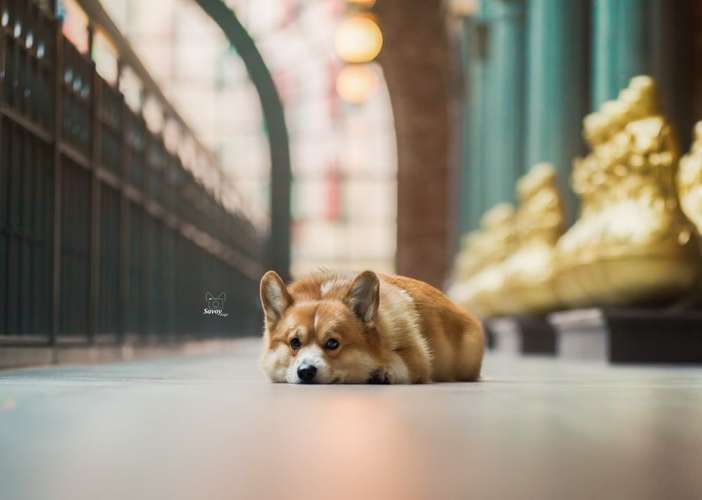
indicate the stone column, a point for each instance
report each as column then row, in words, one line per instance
column 492, row 139
column 653, row 37
column 621, row 45
column 503, row 120
column 557, row 85
column 471, row 202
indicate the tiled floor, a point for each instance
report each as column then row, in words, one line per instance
column 212, row 428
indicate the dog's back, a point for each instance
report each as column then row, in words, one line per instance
column 455, row 339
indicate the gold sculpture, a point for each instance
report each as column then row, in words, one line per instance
column 631, row 242
column 540, row 220
column 466, row 266
column 479, row 273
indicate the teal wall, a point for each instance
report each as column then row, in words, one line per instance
column 503, row 119
column 557, row 85
column 621, row 45
column 470, row 199
column 493, row 125
column 526, row 76
column 655, row 37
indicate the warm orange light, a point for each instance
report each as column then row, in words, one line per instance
column 464, row 7
column 356, row 83
column 367, row 4
column 358, row 39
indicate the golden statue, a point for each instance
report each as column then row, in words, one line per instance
column 631, row 242
column 467, row 265
column 575, row 249
column 529, row 271
column 471, row 256
column 479, row 265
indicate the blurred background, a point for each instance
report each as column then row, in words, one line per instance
column 540, row 161
column 339, row 119
column 524, row 155
column 342, row 151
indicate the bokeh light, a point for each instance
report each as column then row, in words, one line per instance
column 358, row 39
column 356, row 83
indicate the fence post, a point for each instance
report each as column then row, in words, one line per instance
column 56, row 245
column 3, row 283
column 147, row 228
column 94, row 300
column 124, row 214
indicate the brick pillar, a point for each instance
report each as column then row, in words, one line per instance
column 415, row 59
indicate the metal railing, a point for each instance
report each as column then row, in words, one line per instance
column 105, row 235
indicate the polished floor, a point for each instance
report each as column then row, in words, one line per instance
column 212, row 428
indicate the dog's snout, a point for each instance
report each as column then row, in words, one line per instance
column 307, row 373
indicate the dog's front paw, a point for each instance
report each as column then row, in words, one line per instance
column 379, row 376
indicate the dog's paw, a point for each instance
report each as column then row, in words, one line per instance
column 379, row 376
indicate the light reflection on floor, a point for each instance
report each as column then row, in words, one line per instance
column 211, row 428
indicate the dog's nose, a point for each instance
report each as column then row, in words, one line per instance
column 307, row 373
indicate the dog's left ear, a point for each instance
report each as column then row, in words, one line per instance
column 275, row 297
column 363, row 298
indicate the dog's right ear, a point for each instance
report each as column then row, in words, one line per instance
column 363, row 297
column 275, row 297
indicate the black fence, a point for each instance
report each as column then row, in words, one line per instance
column 105, row 235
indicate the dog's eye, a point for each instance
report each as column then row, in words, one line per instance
column 331, row 344
column 295, row 343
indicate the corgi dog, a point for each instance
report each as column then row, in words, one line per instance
column 332, row 328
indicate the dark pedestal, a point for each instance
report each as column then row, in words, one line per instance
column 630, row 335
column 523, row 334
column 490, row 342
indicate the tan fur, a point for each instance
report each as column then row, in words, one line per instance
column 390, row 329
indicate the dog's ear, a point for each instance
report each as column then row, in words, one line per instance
column 363, row 296
column 222, row 297
column 275, row 298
